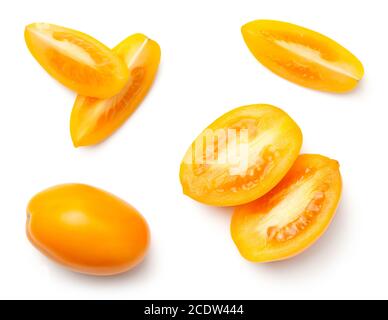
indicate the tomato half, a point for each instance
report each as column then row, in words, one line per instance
column 303, row 56
column 77, row 60
column 240, row 156
column 293, row 215
column 93, row 120
column 87, row 229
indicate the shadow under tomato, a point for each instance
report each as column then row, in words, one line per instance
column 223, row 211
column 358, row 90
column 139, row 272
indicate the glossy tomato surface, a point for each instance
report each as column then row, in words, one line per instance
column 87, row 229
column 77, row 60
column 293, row 215
column 240, row 156
column 93, row 120
column 303, row 56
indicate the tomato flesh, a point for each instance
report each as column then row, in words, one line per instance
column 303, row 56
column 93, row 120
column 87, row 229
column 293, row 215
column 77, row 60
column 240, row 156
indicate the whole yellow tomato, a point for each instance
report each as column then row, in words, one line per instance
column 87, row 229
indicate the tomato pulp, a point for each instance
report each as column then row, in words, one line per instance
column 77, row 60
column 303, row 56
column 293, row 215
column 93, row 120
column 240, row 156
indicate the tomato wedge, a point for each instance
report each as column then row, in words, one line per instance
column 87, row 229
column 93, row 120
column 303, row 56
column 240, row 156
column 293, row 215
column 77, row 60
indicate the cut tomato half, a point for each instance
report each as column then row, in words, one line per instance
column 77, row 60
column 240, row 156
column 303, row 56
column 293, row 215
column 93, row 120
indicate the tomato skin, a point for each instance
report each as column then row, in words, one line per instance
column 78, row 61
column 303, row 56
column 94, row 120
column 272, row 144
column 87, row 229
column 292, row 216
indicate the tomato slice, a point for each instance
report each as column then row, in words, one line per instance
column 240, row 156
column 93, row 120
column 77, row 60
column 293, row 215
column 87, row 229
column 303, row 56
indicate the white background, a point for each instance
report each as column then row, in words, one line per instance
column 206, row 70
